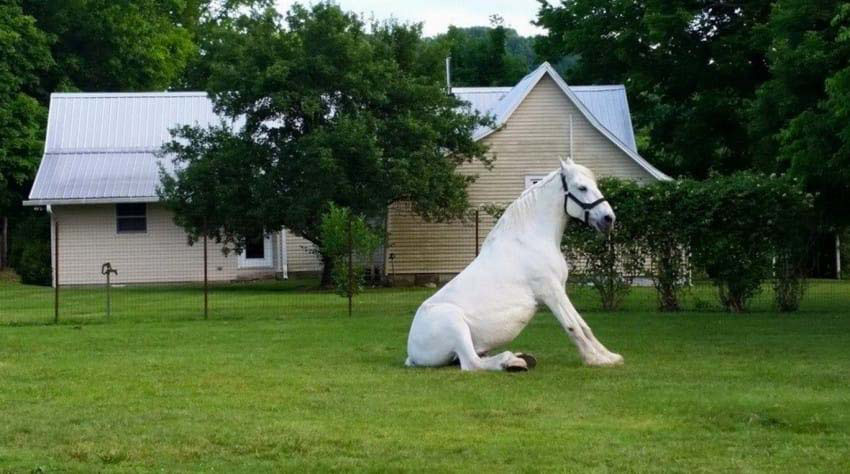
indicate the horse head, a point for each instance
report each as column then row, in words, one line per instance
column 582, row 198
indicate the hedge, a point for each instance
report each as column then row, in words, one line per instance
column 740, row 230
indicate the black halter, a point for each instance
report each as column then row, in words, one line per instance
column 587, row 206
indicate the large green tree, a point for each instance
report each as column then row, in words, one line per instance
column 328, row 114
column 690, row 66
column 800, row 119
column 117, row 45
column 24, row 56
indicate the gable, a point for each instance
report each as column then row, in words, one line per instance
column 542, row 125
column 505, row 108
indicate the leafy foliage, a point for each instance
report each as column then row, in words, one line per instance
column 690, row 67
column 486, row 56
column 347, row 236
column 663, row 229
column 30, row 250
column 609, row 262
column 800, row 117
column 743, row 222
column 332, row 115
column 740, row 230
column 105, row 45
column 24, row 57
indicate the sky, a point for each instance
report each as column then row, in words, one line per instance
column 437, row 15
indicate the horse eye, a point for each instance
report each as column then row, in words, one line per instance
column 582, row 188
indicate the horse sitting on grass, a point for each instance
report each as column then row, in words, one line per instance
column 520, row 265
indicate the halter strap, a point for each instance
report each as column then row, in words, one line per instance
column 587, row 206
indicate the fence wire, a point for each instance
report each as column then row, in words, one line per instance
column 94, row 287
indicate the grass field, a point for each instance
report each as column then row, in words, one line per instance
column 280, row 379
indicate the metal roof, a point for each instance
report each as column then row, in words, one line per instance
column 605, row 107
column 102, row 147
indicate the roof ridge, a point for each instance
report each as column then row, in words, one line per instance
column 83, row 95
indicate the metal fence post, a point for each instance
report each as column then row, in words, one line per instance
column 55, row 270
column 350, row 265
column 206, row 280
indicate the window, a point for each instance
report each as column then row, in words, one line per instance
column 532, row 180
column 257, row 252
column 255, row 248
column 131, row 217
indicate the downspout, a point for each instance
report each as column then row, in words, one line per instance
column 283, row 258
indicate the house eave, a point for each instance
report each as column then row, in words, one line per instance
column 78, row 201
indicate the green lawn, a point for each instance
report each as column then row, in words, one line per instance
column 280, row 379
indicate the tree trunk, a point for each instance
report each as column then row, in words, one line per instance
column 327, row 271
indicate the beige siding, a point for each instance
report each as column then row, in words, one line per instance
column 529, row 144
column 301, row 255
column 88, row 238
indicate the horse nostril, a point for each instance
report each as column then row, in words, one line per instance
column 608, row 218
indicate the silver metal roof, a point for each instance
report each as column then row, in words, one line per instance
column 102, row 146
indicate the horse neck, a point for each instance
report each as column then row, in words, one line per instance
column 549, row 220
column 537, row 216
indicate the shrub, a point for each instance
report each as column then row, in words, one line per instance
column 663, row 227
column 30, row 249
column 789, row 217
column 34, row 264
column 339, row 228
column 608, row 262
column 741, row 222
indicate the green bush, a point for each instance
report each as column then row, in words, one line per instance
column 611, row 262
column 30, row 248
column 662, row 227
column 747, row 229
column 34, row 264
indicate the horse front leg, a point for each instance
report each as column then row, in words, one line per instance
column 592, row 351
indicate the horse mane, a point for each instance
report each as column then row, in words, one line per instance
column 518, row 212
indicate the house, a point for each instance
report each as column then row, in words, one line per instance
column 534, row 124
column 100, row 171
column 98, row 180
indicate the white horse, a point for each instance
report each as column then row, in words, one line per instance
column 520, row 265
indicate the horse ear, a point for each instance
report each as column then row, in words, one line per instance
column 566, row 163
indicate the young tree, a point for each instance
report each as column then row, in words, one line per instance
column 332, row 115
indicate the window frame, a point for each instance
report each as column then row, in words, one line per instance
column 119, row 217
column 268, row 256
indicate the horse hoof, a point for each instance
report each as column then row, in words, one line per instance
column 516, row 368
column 529, row 359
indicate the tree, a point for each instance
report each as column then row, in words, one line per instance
column 351, row 243
column 24, row 56
column 690, row 67
column 332, row 115
column 105, row 45
column 800, row 118
column 486, row 56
